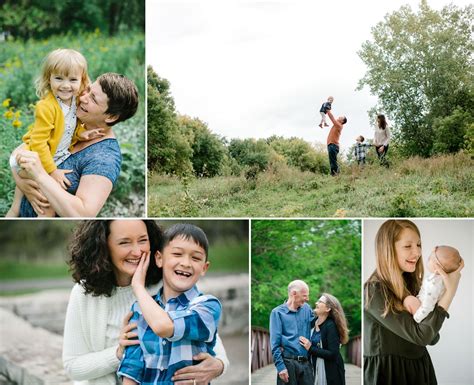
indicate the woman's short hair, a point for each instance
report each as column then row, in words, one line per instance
column 90, row 261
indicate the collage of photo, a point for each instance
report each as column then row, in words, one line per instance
column 236, row 192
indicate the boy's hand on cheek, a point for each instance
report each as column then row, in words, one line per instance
column 138, row 280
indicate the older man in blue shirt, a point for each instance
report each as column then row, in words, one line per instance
column 288, row 322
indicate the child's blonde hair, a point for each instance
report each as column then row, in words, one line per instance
column 394, row 284
column 61, row 61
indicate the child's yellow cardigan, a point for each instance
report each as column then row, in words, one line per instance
column 47, row 130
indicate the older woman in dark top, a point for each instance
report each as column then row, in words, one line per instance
column 330, row 331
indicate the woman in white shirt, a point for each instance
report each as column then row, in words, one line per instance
column 382, row 139
column 104, row 256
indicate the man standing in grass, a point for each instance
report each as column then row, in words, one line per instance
column 333, row 141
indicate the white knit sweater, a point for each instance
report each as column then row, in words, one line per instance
column 91, row 335
column 381, row 137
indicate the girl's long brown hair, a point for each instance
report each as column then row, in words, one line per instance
column 393, row 283
column 337, row 314
column 381, row 121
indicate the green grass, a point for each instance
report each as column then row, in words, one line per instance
column 14, row 270
column 435, row 187
column 229, row 257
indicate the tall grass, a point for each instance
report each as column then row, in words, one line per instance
column 434, row 187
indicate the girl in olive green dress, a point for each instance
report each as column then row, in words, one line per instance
column 394, row 344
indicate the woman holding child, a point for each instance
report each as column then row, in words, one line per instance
column 330, row 331
column 394, row 343
column 104, row 258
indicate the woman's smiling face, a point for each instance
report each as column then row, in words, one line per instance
column 127, row 241
column 408, row 250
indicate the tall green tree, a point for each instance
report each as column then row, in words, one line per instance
column 168, row 149
column 208, row 150
column 325, row 254
column 420, row 68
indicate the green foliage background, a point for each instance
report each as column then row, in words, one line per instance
column 325, row 254
column 19, row 65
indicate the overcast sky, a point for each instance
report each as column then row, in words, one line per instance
column 262, row 68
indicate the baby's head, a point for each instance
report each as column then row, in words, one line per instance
column 448, row 257
column 360, row 139
column 64, row 73
column 330, row 99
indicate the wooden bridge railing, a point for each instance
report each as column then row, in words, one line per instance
column 262, row 353
column 354, row 351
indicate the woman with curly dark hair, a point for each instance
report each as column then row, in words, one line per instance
column 104, row 257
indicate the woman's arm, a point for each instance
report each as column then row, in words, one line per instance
column 91, row 194
column 79, row 361
column 331, row 351
column 403, row 324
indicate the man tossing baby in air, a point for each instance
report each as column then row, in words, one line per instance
column 179, row 322
column 432, row 287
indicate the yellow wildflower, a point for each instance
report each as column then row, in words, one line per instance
column 16, row 123
column 6, row 102
column 17, row 114
column 103, row 49
column 340, row 213
column 8, row 114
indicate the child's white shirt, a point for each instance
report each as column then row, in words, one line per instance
column 70, row 120
column 431, row 290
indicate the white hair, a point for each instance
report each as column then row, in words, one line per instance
column 297, row 285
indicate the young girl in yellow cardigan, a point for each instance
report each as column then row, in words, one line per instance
column 63, row 77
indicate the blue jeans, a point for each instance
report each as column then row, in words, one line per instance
column 333, row 150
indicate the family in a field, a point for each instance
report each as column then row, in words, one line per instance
column 70, row 159
column 380, row 142
column 305, row 342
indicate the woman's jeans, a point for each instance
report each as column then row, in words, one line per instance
column 333, row 150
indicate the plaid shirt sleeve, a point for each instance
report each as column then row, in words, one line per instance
column 199, row 321
column 132, row 365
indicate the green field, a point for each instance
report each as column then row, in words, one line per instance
column 435, row 187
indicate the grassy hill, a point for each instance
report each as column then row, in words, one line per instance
column 416, row 187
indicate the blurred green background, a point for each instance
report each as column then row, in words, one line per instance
column 110, row 34
column 38, row 249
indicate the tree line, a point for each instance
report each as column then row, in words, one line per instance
column 181, row 145
column 25, row 19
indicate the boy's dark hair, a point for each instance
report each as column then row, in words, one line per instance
column 122, row 94
column 345, row 120
column 187, row 231
column 361, row 138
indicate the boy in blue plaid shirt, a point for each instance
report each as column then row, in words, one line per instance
column 179, row 322
column 360, row 150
